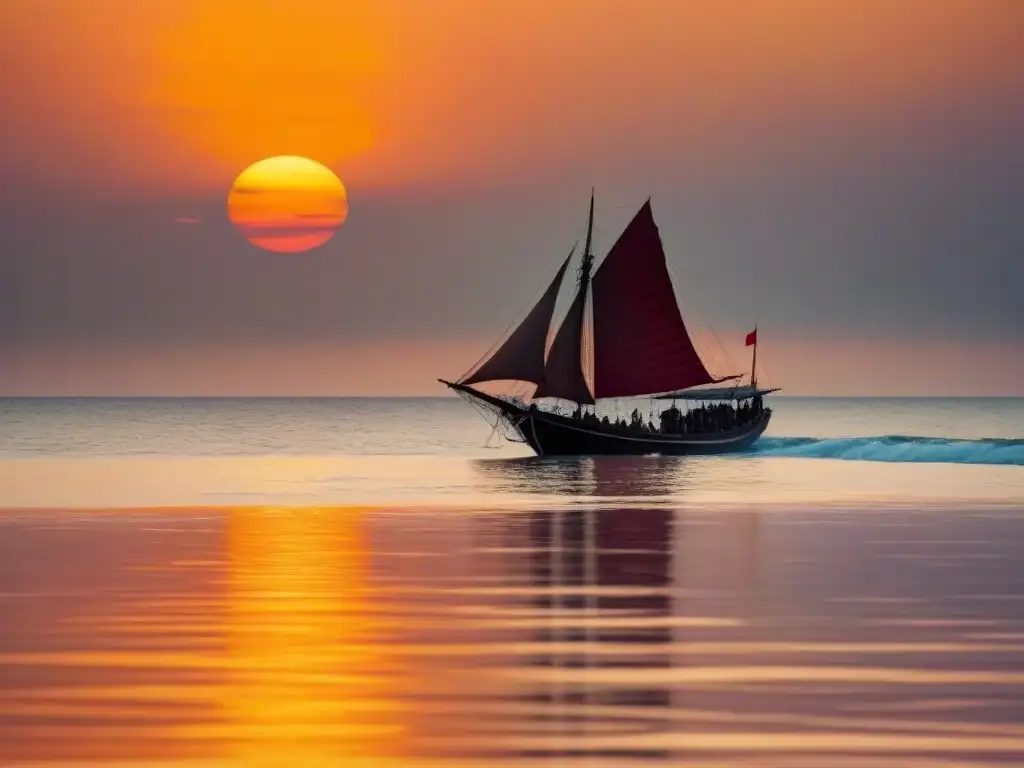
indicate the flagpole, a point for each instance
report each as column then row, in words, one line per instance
column 753, row 365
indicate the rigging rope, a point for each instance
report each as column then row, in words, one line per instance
column 494, row 429
column 703, row 325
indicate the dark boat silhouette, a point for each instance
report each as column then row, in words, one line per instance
column 637, row 345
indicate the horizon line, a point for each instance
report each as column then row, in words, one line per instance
column 456, row 397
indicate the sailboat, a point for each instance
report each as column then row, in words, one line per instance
column 636, row 346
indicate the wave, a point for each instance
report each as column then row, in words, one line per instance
column 898, row 448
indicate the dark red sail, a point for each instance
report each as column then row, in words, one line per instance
column 521, row 357
column 563, row 374
column 641, row 345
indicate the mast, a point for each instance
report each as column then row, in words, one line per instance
column 563, row 370
column 587, row 261
column 586, row 267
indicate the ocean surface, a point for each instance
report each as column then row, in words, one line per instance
column 145, row 452
column 367, row 582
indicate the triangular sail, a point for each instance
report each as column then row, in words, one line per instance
column 521, row 357
column 641, row 345
column 563, row 374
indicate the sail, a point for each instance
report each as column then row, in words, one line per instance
column 521, row 357
column 641, row 345
column 563, row 374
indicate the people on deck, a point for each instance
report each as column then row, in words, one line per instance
column 636, row 420
column 704, row 419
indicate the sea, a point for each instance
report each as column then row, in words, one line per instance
column 386, row 582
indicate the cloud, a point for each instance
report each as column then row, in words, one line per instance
column 187, row 220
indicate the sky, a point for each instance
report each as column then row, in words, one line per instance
column 848, row 176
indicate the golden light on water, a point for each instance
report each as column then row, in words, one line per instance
column 313, row 685
column 288, row 204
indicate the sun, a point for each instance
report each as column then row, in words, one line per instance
column 287, row 204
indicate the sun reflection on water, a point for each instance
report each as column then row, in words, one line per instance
column 311, row 682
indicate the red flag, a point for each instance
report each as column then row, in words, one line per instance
column 751, row 338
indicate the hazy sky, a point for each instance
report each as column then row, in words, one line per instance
column 849, row 175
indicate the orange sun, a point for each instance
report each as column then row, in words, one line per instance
column 287, row 204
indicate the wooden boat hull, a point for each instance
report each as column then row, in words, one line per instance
column 550, row 434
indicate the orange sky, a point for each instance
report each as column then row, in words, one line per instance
column 178, row 95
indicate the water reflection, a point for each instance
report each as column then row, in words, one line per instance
column 611, row 636
column 311, row 678
column 587, row 478
column 604, row 580
column 591, row 565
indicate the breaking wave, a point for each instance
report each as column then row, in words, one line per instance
column 897, row 448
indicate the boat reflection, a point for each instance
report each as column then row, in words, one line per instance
column 593, row 477
column 601, row 578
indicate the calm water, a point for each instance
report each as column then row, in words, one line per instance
column 363, row 583
column 121, row 453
